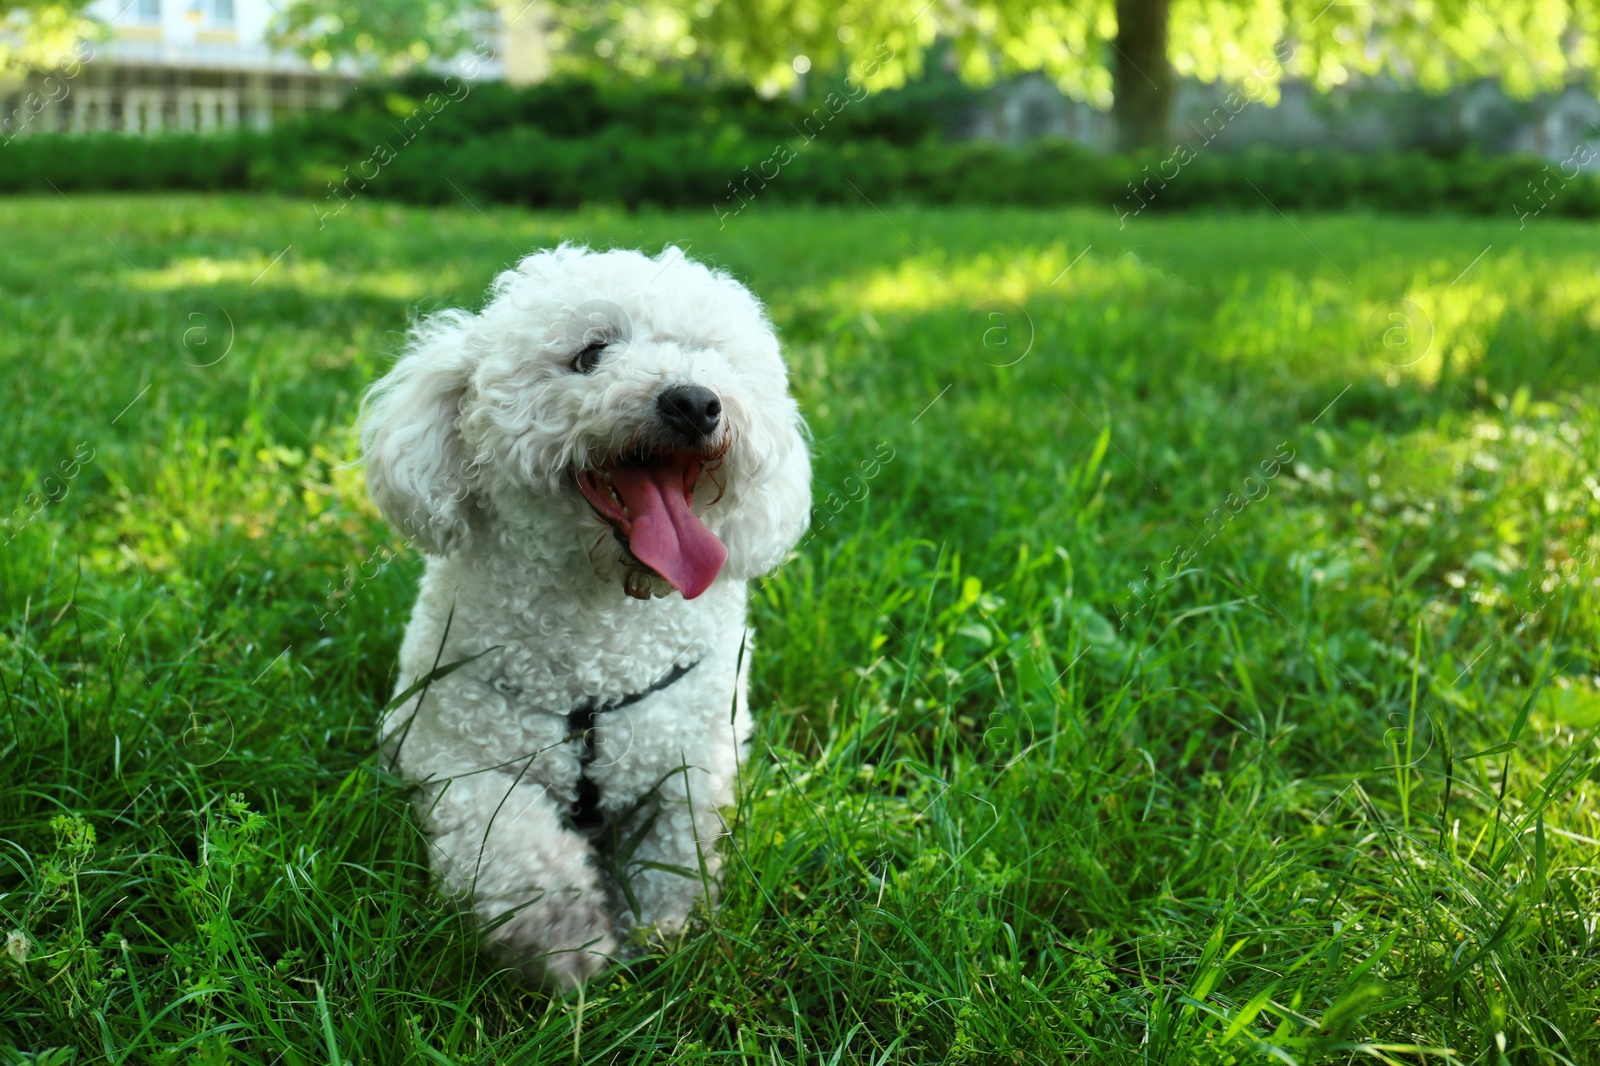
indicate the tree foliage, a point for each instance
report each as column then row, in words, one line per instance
column 390, row 35
column 1529, row 45
column 35, row 35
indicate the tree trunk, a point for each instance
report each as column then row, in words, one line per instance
column 1141, row 76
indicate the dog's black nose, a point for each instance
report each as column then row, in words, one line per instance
column 692, row 410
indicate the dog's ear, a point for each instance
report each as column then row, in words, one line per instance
column 418, row 471
column 766, row 526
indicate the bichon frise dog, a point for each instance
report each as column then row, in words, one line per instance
column 596, row 463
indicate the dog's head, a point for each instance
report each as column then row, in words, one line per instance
column 604, row 406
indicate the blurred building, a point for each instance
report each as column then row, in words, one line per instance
column 189, row 65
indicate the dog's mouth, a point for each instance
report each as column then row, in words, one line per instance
column 645, row 499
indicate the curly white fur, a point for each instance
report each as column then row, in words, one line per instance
column 471, row 442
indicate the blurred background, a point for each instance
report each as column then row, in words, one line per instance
column 1480, row 107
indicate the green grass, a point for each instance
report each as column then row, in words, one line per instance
column 1329, row 795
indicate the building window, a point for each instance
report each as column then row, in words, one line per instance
column 147, row 11
column 222, row 12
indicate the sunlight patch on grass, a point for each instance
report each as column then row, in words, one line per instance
column 312, row 277
column 917, row 283
column 1507, row 309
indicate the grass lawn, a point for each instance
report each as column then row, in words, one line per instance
column 1201, row 665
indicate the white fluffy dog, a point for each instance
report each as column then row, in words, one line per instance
column 595, row 463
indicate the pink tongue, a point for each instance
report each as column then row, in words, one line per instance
column 666, row 536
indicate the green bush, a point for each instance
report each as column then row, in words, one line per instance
column 568, row 143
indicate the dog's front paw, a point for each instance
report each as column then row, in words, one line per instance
column 552, row 945
column 567, row 969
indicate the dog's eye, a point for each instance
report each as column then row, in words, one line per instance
column 589, row 358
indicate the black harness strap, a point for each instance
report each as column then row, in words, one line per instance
column 585, row 814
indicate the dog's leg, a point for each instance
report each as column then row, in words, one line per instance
column 669, row 855
column 675, row 859
column 531, row 882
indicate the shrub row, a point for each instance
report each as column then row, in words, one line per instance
column 575, row 108
column 565, row 145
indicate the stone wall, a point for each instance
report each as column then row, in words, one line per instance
column 1373, row 118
